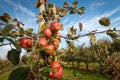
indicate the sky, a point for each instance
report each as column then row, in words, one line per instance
column 25, row 12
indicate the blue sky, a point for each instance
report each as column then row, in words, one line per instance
column 25, row 11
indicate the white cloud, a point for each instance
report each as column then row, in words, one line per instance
column 96, row 4
column 20, row 7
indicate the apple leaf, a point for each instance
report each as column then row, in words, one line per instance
column 17, row 46
column 80, row 26
column 20, row 73
column 66, row 5
column 13, row 56
column 7, row 29
column 6, row 15
column 74, row 4
column 112, row 34
column 1, row 39
column 92, row 39
column 104, row 21
column 37, row 4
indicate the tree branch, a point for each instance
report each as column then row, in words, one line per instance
column 87, row 34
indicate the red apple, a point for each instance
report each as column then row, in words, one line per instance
column 49, row 49
column 57, row 68
column 55, row 26
column 55, row 42
column 47, row 32
column 57, row 34
column 25, row 42
column 42, row 42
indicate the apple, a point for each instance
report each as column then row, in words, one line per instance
column 49, row 49
column 57, row 35
column 50, row 75
column 30, row 75
column 42, row 42
column 47, row 32
column 55, row 26
column 58, row 74
column 55, row 42
column 57, row 68
column 25, row 42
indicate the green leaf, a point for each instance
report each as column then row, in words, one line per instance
column 17, row 46
column 7, row 29
column 13, row 56
column 65, row 5
column 80, row 26
column 15, row 20
column 6, row 15
column 92, row 39
column 112, row 34
column 1, row 39
column 74, row 4
column 2, row 18
column 104, row 21
column 29, row 31
column 20, row 73
column 24, row 59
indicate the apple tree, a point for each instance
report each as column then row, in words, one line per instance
column 42, row 58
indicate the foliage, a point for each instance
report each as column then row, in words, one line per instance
column 42, row 49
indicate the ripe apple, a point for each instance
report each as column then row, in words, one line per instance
column 57, row 35
column 55, row 26
column 49, row 49
column 42, row 42
column 57, row 68
column 55, row 42
column 30, row 75
column 58, row 74
column 25, row 42
column 50, row 75
column 47, row 32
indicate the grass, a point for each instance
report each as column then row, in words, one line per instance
column 4, row 76
column 70, row 74
column 75, row 74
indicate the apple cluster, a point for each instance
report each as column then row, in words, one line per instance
column 50, row 42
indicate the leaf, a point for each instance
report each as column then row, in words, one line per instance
column 29, row 31
column 81, row 10
column 92, row 39
column 104, row 21
column 80, row 26
column 20, row 73
column 112, row 34
column 65, row 5
column 1, row 39
column 15, row 20
column 6, row 15
column 24, row 59
column 17, row 46
column 7, row 29
column 2, row 18
column 13, row 56
column 74, row 4
column 37, row 4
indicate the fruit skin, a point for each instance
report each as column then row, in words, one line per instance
column 50, row 75
column 57, row 35
column 42, row 42
column 55, row 26
column 47, row 32
column 49, row 49
column 55, row 42
column 57, row 68
column 30, row 75
column 25, row 42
